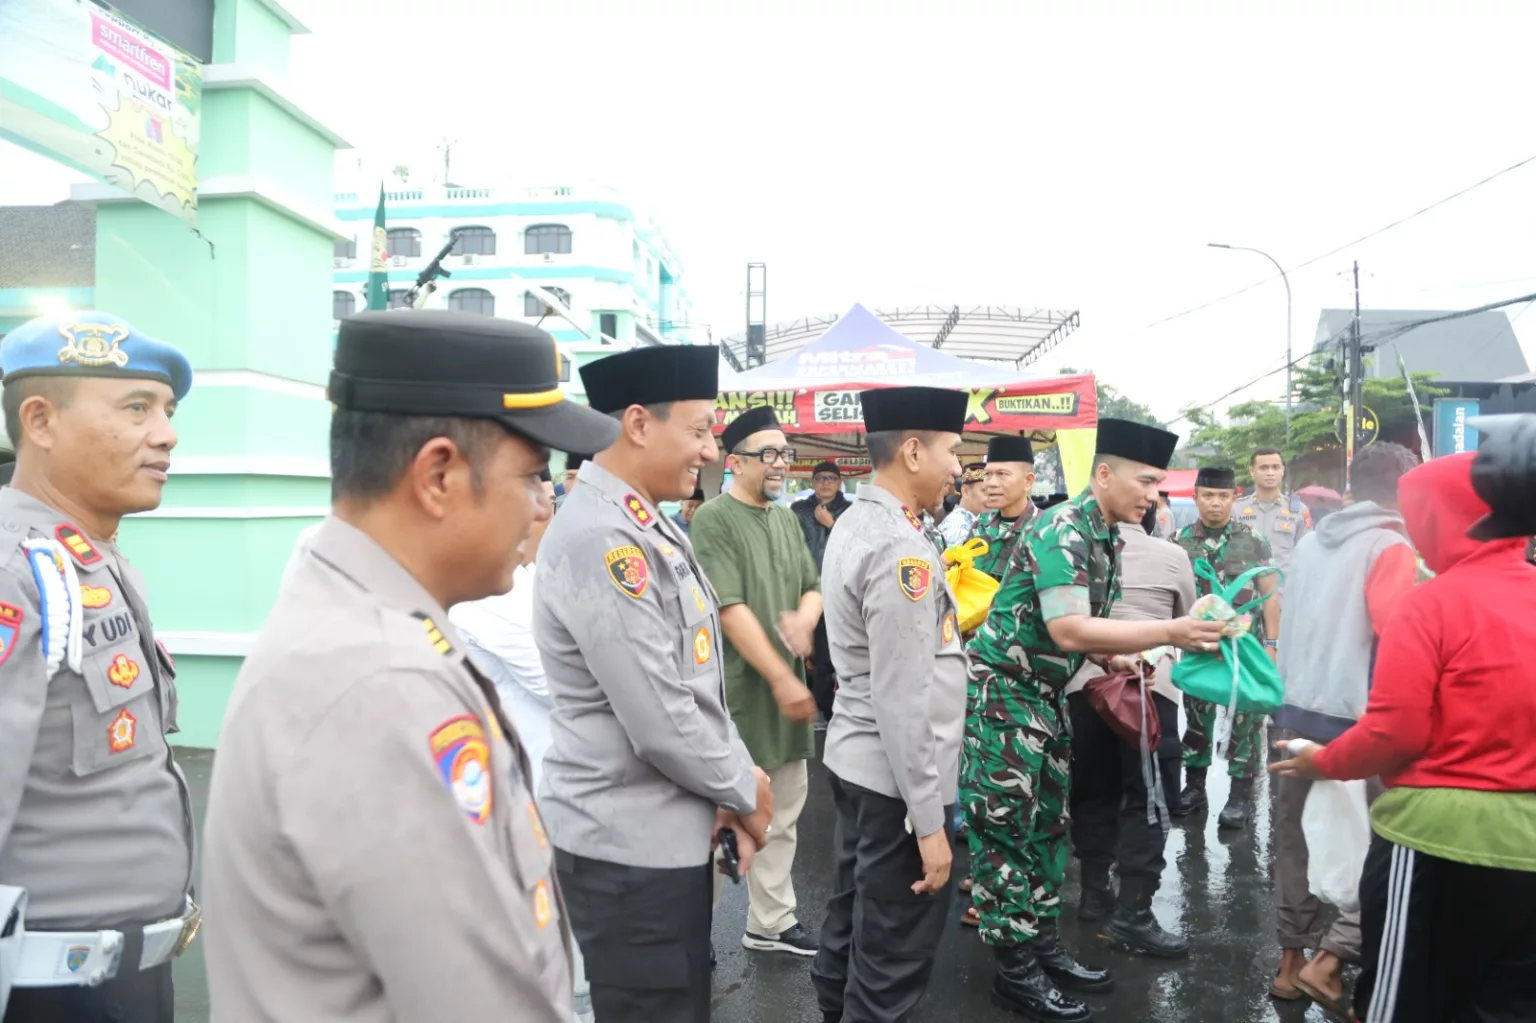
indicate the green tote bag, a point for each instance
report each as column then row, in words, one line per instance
column 1242, row 678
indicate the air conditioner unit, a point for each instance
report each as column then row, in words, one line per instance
column 469, row 259
column 549, row 257
column 397, row 260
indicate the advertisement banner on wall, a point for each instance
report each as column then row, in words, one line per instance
column 1452, row 434
column 84, row 85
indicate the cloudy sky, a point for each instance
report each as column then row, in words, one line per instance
column 1067, row 156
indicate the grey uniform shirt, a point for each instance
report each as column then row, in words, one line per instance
column 373, row 851
column 1158, row 584
column 642, row 749
column 891, row 622
column 95, row 819
column 1283, row 523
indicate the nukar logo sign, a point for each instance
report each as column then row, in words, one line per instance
column 870, row 362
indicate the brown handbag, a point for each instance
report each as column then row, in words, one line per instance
column 1124, row 700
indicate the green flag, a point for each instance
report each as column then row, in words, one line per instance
column 378, row 261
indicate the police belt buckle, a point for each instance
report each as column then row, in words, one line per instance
column 168, row 939
column 190, row 924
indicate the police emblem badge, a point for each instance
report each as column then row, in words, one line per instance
column 123, row 732
column 464, row 762
column 628, row 569
column 10, row 628
column 949, row 628
column 123, row 672
column 93, row 344
column 701, row 646
column 915, row 576
column 75, row 957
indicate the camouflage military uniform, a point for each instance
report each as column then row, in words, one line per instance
column 1017, row 751
column 1230, row 552
column 1001, row 536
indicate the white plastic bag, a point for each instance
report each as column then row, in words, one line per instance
column 1337, row 825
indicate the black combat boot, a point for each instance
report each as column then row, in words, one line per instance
column 1062, row 967
column 1133, row 925
column 1022, row 986
column 1192, row 799
column 1235, row 813
column 1098, row 893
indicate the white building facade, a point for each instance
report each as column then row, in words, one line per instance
column 586, row 246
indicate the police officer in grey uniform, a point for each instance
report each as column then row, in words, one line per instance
column 645, row 766
column 373, row 848
column 1278, row 517
column 95, row 819
column 893, row 746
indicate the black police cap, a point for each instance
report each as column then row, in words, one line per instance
column 889, row 409
column 1136, row 442
column 435, row 362
column 653, row 376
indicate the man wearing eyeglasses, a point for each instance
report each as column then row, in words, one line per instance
column 817, row 517
column 753, row 552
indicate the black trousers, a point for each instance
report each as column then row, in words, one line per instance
column 879, row 939
column 644, row 933
column 133, row 996
column 1109, row 795
column 823, row 675
column 1444, row 942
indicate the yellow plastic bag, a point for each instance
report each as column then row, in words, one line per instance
column 973, row 588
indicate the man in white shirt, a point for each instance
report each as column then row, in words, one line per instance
column 498, row 632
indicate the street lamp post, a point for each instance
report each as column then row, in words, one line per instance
column 1287, row 280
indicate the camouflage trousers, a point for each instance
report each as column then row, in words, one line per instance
column 1245, row 757
column 1014, row 779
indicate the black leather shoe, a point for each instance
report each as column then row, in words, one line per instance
column 1022, row 986
column 1098, row 898
column 1062, row 967
column 1235, row 814
column 1192, row 799
column 1133, row 926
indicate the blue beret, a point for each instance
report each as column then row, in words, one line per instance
column 92, row 344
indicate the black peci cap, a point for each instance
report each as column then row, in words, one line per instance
column 1216, row 477
column 651, row 376
column 1010, row 449
column 745, row 425
column 827, row 466
column 1136, row 442
column 436, row 362
column 697, row 495
column 574, row 461
column 913, row 408
column 1504, row 476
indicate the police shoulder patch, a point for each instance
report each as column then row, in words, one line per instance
column 10, row 628
column 628, row 569
column 464, row 763
column 637, row 510
column 78, row 546
column 915, row 576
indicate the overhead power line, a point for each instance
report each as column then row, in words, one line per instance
column 1335, row 251
column 1370, row 339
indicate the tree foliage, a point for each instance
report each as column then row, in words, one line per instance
column 1114, row 405
column 1313, row 450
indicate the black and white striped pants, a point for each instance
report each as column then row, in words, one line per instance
column 1444, row 942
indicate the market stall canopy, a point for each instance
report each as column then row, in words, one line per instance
column 815, row 393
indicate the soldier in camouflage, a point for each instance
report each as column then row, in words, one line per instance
column 1230, row 548
column 1010, row 513
column 1062, row 580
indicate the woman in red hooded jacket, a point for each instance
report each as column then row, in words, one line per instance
column 1448, row 895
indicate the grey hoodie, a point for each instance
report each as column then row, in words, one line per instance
column 1327, row 643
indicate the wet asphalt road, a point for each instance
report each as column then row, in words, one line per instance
column 1216, row 889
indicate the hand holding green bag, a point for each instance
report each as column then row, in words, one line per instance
column 1241, row 677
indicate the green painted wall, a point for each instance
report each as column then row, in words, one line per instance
column 248, row 299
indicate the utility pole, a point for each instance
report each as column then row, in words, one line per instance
column 1354, row 396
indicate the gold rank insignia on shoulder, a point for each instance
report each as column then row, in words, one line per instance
column 637, row 510
column 916, row 522
column 915, row 576
column 435, row 635
column 78, row 546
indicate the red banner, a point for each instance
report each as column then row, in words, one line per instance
column 1064, row 403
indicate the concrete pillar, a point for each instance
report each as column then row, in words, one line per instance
column 248, row 297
